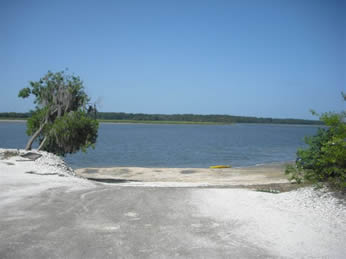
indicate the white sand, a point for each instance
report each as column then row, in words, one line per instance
column 175, row 177
column 20, row 177
column 296, row 224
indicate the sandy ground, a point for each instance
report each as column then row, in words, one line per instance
column 255, row 175
column 20, row 177
column 47, row 212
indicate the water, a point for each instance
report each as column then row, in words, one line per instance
column 179, row 145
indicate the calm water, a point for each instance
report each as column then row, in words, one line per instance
column 179, row 145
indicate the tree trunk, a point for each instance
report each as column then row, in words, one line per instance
column 42, row 143
column 33, row 137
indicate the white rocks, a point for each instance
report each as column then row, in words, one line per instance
column 53, row 163
column 47, row 164
column 21, row 177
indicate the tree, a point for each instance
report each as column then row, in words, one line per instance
column 325, row 158
column 62, row 121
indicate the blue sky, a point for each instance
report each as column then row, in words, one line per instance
column 268, row 58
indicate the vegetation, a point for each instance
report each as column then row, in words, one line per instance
column 160, row 122
column 220, row 119
column 178, row 118
column 15, row 115
column 324, row 161
column 62, row 121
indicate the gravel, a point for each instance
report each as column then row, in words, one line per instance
column 47, row 164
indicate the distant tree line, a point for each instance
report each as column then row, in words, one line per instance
column 15, row 115
column 225, row 119
column 198, row 118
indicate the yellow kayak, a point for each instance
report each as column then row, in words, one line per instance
column 220, row 166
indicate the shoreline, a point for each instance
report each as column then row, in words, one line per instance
column 267, row 175
column 259, row 165
column 177, row 167
column 125, row 122
column 14, row 120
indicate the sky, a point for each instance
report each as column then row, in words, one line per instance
column 264, row 58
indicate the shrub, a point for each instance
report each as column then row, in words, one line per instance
column 324, row 161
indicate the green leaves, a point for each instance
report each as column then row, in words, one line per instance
column 325, row 158
column 61, row 117
column 24, row 93
column 72, row 132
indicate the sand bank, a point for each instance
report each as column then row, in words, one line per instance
column 254, row 175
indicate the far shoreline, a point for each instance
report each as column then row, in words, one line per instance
column 142, row 122
column 14, row 120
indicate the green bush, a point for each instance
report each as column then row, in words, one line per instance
column 72, row 132
column 324, row 161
